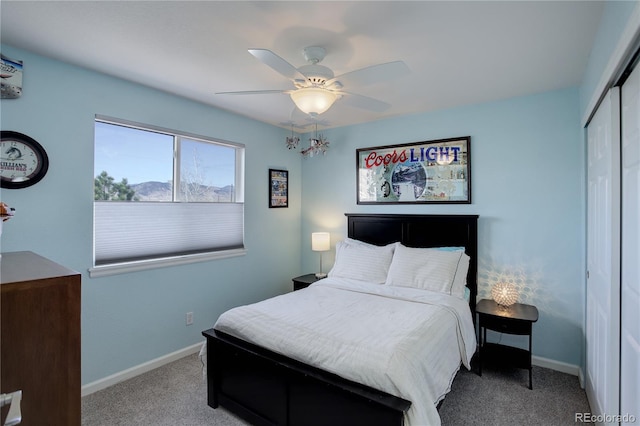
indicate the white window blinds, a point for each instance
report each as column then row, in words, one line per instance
column 126, row 231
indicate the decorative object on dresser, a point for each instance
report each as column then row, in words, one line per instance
column 304, row 281
column 427, row 172
column 320, row 241
column 40, row 348
column 294, row 392
column 517, row 319
column 6, row 213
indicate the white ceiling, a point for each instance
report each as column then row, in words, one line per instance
column 459, row 53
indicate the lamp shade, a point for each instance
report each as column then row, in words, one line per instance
column 313, row 100
column 320, row 241
column 504, row 293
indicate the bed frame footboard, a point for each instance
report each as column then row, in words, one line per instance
column 266, row 388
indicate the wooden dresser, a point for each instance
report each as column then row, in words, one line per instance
column 40, row 347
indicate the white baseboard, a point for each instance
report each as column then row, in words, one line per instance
column 581, row 378
column 551, row 364
column 129, row 373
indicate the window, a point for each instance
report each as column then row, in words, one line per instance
column 162, row 197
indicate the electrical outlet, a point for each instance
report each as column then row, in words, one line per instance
column 189, row 318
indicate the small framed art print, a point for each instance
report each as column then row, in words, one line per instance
column 278, row 188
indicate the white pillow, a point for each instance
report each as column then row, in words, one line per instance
column 429, row 269
column 362, row 261
column 460, row 281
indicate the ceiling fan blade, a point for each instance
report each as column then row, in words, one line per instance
column 364, row 102
column 269, row 58
column 372, row 74
column 254, row 92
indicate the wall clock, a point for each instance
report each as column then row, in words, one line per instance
column 23, row 161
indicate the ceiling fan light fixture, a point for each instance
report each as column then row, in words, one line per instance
column 313, row 100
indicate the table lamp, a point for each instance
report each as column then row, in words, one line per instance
column 504, row 293
column 320, row 241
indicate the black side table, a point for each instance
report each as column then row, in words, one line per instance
column 516, row 319
column 304, row 281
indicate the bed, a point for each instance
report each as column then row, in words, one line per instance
column 271, row 372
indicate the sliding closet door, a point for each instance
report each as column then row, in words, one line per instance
column 603, row 256
column 630, row 309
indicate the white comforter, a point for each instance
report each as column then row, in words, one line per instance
column 403, row 341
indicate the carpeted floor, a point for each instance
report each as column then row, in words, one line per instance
column 502, row 398
column 175, row 394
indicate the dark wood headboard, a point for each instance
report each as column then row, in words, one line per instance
column 414, row 230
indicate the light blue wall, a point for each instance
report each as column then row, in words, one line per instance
column 132, row 318
column 614, row 20
column 527, row 164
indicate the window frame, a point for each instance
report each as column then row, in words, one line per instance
column 178, row 259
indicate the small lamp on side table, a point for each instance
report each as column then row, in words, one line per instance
column 505, row 294
column 320, row 241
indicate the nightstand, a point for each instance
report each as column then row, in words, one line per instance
column 516, row 319
column 304, row 281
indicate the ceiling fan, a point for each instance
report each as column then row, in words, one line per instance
column 316, row 86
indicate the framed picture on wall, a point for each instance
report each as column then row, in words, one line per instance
column 430, row 172
column 11, row 82
column 278, row 188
